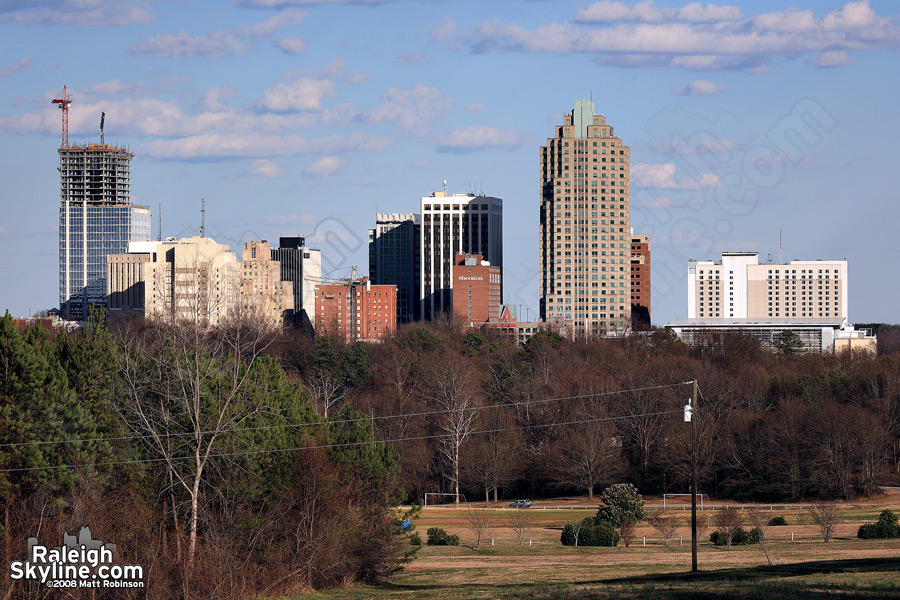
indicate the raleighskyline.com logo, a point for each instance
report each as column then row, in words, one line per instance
column 81, row 563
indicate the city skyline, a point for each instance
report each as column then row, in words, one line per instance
column 743, row 119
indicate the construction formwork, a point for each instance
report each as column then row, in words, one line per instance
column 96, row 218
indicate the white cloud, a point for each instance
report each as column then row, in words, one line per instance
column 662, row 176
column 283, row 3
column 82, row 13
column 411, row 57
column 610, row 11
column 218, row 43
column 832, row 59
column 302, row 94
column 185, row 45
column 695, row 144
column 357, row 77
column 699, row 88
column 291, row 45
column 213, row 99
column 410, row 107
column 269, row 27
column 324, row 167
column 258, row 145
column 23, row 62
column 264, row 168
column 697, row 37
column 478, row 137
column 444, row 32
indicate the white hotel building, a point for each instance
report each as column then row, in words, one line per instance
column 763, row 300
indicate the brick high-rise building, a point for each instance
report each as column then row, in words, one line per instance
column 640, row 280
column 356, row 310
column 455, row 224
column 476, row 289
column 585, row 224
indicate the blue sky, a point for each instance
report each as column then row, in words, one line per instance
column 300, row 116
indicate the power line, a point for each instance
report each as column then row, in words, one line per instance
column 139, row 436
column 325, row 446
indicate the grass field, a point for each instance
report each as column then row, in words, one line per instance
column 806, row 568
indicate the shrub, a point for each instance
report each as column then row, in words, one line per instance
column 755, row 535
column 741, row 537
column 777, row 522
column 621, row 502
column 439, row 537
column 415, row 539
column 886, row 527
column 591, row 533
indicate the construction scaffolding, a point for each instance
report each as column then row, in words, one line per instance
column 96, row 218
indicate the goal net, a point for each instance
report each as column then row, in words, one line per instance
column 443, row 499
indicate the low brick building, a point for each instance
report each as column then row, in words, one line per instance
column 477, row 289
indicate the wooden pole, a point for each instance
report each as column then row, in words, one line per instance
column 694, row 415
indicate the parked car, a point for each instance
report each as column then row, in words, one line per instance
column 521, row 504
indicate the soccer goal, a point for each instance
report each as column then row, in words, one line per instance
column 438, row 499
column 666, row 496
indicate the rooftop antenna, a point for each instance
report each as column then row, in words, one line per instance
column 780, row 259
column 102, row 119
column 202, row 217
column 159, row 227
column 445, row 187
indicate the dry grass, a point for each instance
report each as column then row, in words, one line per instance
column 810, row 568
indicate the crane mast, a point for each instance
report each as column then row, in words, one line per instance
column 63, row 101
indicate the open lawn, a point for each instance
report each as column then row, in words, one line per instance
column 807, row 568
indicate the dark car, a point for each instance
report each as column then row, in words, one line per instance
column 521, row 504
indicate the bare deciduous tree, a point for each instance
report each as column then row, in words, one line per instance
column 450, row 391
column 827, row 517
column 187, row 377
column 665, row 525
column 493, row 459
column 479, row 522
column 727, row 522
column 521, row 521
column 761, row 525
column 627, row 532
column 587, row 454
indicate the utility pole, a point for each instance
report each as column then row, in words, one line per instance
column 694, row 414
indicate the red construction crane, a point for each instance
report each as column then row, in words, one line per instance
column 64, row 101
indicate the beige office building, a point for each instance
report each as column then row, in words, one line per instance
column 263, row 293
column 740, row 287
column 585, row 225
column 198, row 280
column 194, row 280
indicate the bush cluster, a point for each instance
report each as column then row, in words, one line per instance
column 439, row 537
column 593, row 532
column 741, row 537
column 885, row 527
column 777, row 521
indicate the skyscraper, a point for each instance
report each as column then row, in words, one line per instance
column 455, row 224
column 394, row 260
column 585, row 224
column 96, row 218
column 298, row 264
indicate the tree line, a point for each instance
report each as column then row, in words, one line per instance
column 234, row 460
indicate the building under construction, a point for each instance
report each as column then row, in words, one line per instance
column 96, row 217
